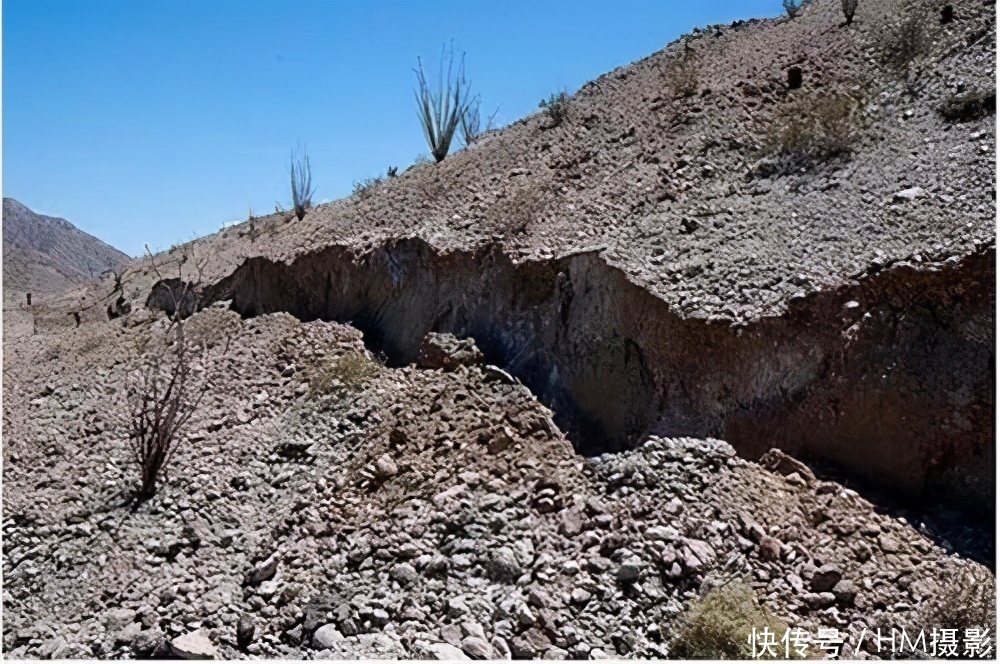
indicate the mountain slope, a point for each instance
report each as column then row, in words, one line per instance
column 652, row 273
column 48, row 255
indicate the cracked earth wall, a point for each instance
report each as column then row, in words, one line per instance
column 889, row 378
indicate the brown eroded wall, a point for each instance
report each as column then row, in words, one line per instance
column 890, row 378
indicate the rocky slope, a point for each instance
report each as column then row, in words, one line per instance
column 409, row 510
column 46, row 255
column 737, row 242
column 652, row 277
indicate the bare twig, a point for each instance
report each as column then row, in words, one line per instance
column 163, row 392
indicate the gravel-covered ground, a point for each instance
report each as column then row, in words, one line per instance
column 397, row 512
column 324, row 505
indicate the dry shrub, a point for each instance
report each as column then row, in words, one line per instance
column 167, row 381
column 556, row 107
column 524, row 206
column 815, row 129
column 89, row 339
column 162, row 393
column 53, row 352
column 680, row 77
column 965, row 600
column 365, row 188
column 432, row 189
column 212, row 327
column 345, row 373
column 901, row 44
column 718, row 625
column 472, row 128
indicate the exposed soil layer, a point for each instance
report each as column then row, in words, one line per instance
column 889, row 377
column 415, row 513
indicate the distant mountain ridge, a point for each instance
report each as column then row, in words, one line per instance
column 43, row 254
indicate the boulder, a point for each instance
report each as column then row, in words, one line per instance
column 503, row 567
column 778, row 462
column 447, row 352
column 908, row 194
column 770, row 549
column 825, row 578
column 147, row 641
column 262, row 571
column 530, row 644
column 845, row 591
column 385, row 468
column 404, row 573
column 477, row 647
column 244, row 632
column 629, row 572
column 327, row 636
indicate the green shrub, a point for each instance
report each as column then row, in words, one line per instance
column 302, row 188
column 345, row 373
column 814, row 129
column 718, row 625
column 792, row 7
column 556, row 107
column 442, row 111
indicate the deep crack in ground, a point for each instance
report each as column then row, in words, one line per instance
column 888, row 379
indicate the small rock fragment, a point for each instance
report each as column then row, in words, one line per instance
column 193, row 645
column 825, row 578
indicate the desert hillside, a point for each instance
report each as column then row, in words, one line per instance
column 45, row 255
column 708, row 349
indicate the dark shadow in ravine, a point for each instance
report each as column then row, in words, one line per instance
column 890, row 377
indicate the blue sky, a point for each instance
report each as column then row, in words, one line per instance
column 158, row 120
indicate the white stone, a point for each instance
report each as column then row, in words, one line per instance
column 445, row 651
column 193, row 645
column 326, row 636
column 908, row 194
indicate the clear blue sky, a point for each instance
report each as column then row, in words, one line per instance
column 157, row 120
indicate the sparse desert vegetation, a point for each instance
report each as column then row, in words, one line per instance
column 161, row 396
column 681, row 77
column 793, row 7
column 700, row 352
column 902, row 44
column 442, row 109
column 303, row 190
column 815, row 129
column 344, row 373
column 718, row 626
column 556, row 107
